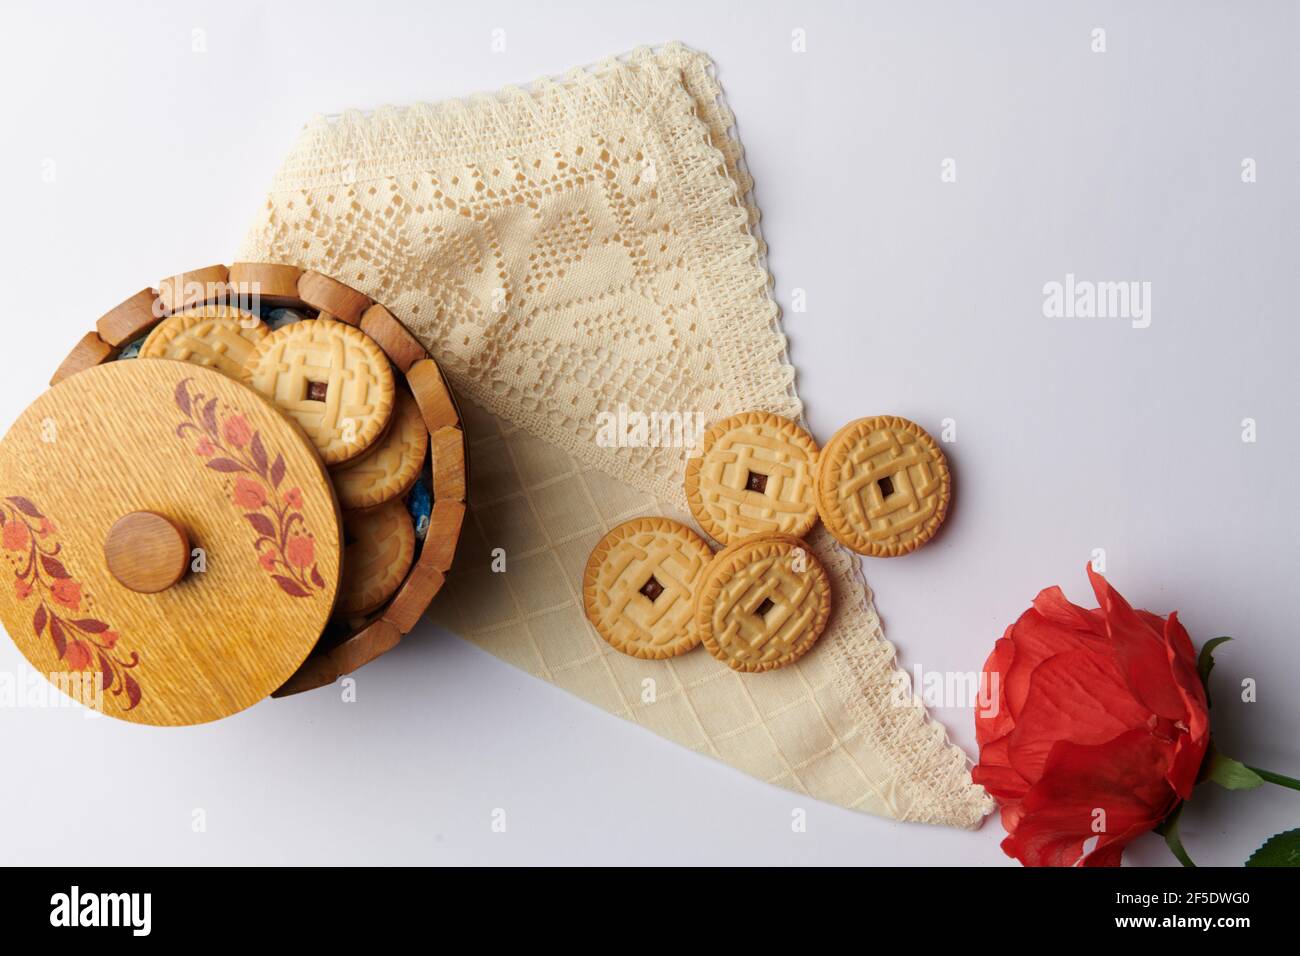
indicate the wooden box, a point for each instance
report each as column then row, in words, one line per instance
column 176, row 541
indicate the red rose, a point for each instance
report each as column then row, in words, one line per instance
column 294, row 498
column 205, row 448
column 237, row 431
column 1098, row 727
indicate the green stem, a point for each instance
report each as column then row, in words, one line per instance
column 1176, row 847
column 1168, row 829
column 1280, row 779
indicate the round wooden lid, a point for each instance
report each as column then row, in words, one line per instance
column 146, row 640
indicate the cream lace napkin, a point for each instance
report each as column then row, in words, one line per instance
column 586, row 244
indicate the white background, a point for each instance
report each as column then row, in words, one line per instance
column 924, row 299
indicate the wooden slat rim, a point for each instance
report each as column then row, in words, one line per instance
column 332, row 299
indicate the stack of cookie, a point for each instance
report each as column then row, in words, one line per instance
column 336, row 383
column 363, row 391
column 655, row 589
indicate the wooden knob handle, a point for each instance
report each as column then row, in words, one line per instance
column 147, row 552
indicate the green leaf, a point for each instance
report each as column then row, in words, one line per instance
column 1281, row 849
column 1205, row 664
column 1232, row 774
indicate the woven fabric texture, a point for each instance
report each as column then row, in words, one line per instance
column 577, row 253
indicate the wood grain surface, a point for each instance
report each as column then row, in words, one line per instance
column 147, row 552
column 217, row 459
column 208, row 284
column 273, row 284
column 129, row 320
column 432, row 394
column 402, row 348
column 90, row 351
column 340, row 301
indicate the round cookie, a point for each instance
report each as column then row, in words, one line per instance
column 221, row 337
column 639, row 587
column 762, row 603
column 883, row 486
column 378, row 549
column 332, row 379
column 391, row 466
column 756, row 473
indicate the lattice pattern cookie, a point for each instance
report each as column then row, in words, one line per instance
column 762, row 603
column 639, row 587
column 221, row 337
column 378, row 549
column 331, row 378
column 755, row 473
column 883, row 486
column 389, row 468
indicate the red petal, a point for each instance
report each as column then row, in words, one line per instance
column 994, row 721
column 1189, row 752
column 1057, row 609
column 1109, row 855
column 1141, row 652
column 1003, row 783
column 1182, row 664
column 996, row 775
column 1038, row 638
column 1125, row 777
column 1078, row 696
